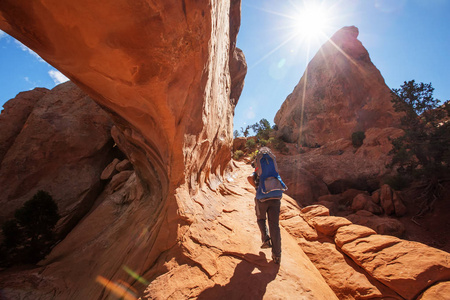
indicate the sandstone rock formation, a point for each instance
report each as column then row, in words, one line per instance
column 62, row 146
column 14, row 115
column 181, row 224
column 338, row 166
column 343, row 93
column 360, row 264
column 163, row 72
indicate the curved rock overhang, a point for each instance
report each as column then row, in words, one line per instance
column 160, row 68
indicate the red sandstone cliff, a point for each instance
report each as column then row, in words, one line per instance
column 181, row 224
column 341, row 92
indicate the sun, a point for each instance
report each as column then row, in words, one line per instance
column 311, row 20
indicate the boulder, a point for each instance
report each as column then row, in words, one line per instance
column 406, row 267
column 312, row 211
column 364, row 202
column 119, row 179
column 386, row 199
column 376, row 197
column 382, row 225
column 341, row 168
column 110, row 170
column 328, row 225
column 360, row 202
column 399, row 207
column 345, row 278
column 347, row 234
column 440, row 291
column 124, row 165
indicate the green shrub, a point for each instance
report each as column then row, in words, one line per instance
column 238, row 154
column 250, row 145
column 280, row 145
column 358, row 138
column 253, row 154
column 29, row 237
column 263, row 143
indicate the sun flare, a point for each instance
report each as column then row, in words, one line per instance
column 311, row 21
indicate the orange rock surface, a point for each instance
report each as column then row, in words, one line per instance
column 181, row 224
column 341, row 92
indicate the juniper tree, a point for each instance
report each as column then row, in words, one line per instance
column 423, row 152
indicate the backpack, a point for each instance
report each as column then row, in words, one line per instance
column 270, row 184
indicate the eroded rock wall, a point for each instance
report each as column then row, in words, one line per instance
column 58, row 141
column 161, row 69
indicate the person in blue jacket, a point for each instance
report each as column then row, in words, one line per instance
column 269, row 190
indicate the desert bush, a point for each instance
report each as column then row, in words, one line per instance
column 250, row 145
column 253, row 155
column 358, row 138
column 280, row 145
column 238, row 154
column 29, row 236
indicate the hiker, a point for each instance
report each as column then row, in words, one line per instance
column 269, row 190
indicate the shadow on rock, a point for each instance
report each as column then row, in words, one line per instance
column 249, row 281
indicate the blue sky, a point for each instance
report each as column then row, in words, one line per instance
column 22, row 69
column 406, row 39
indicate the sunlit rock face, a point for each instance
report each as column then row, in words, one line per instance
column 341, row 92
column 160, row 68
column 169, row 75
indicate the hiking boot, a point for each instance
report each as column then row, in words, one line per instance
column 267, row 244
column 276, row 259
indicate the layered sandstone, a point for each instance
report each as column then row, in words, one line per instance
column 338, row 166
column 341, row 92
column 181, row 223
column 357, row 263
column 169, row 74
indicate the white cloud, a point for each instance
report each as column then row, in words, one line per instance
column 28, row 80
column 57, row 76
column 25, row 48
column 2, row 34
column 250, row 114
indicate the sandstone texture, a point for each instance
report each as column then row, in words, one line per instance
column 218, row 254
column 343, row 93
column 439, row 291
column 181, row 224
column 62, row 147
column 381, row 224
column 14, row 115
column 358, row 263
column 337, row 166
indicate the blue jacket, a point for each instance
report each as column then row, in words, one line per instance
column 270, row 183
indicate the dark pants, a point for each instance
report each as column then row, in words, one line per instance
column 271, row 209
